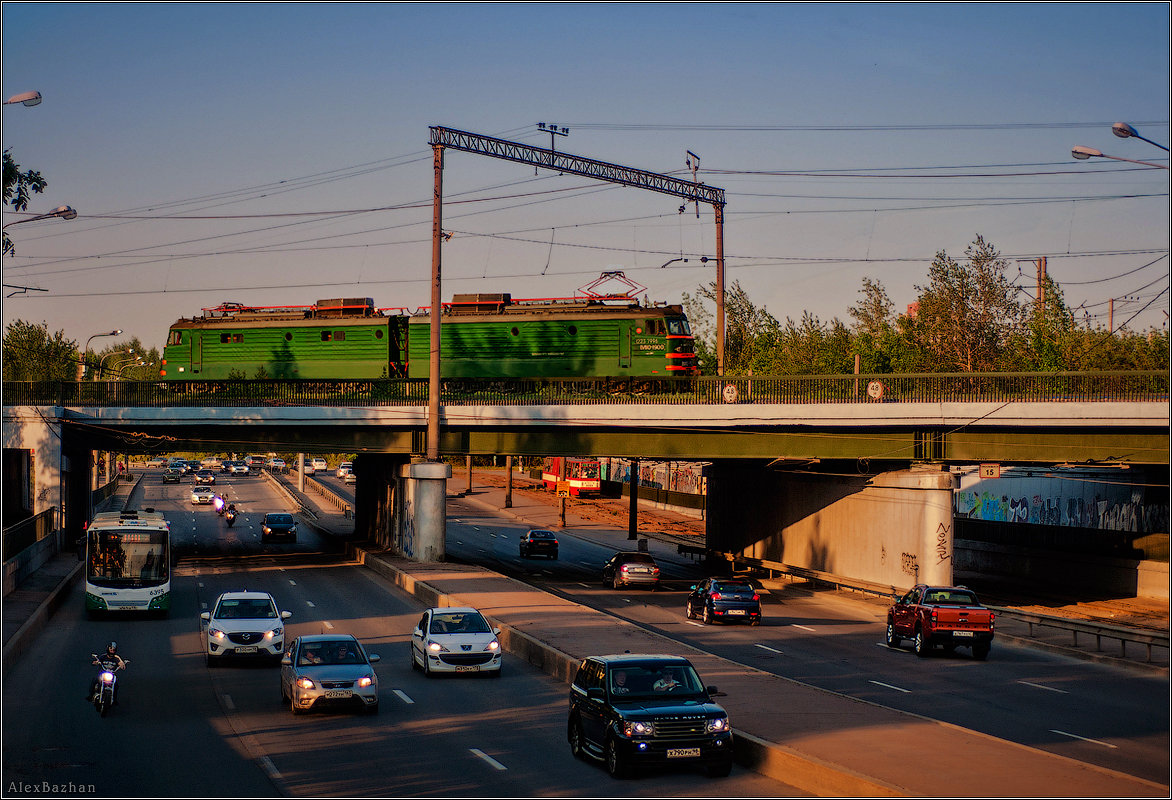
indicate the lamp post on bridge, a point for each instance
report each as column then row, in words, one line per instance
column 81, row 368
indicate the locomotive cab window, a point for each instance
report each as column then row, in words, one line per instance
column 679, row 327
column 176, row 337
column 656, row 327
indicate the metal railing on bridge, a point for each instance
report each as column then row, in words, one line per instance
column 999, row 387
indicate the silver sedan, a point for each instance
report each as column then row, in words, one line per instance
column 327, row 670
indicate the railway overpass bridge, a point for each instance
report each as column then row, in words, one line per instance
column 843, row 471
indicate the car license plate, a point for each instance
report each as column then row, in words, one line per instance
column 962, row 633
column 338, row 693
column 473, row 668
column 250, row 649
column 684, row 752
column 737, row 612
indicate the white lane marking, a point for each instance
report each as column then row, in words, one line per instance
column 889, row 686
column 228, row 702
column 626, row 599
column 764, row 647
column 697, row 624
column 292, row 582
column 1084, row 739
column 403, row 696
column 328, row 625
column 310, row 604
column 480, row 754
column 200, row 584
column 1047, row 688
column 584, row 585
column 803, row 627
column 270, row 768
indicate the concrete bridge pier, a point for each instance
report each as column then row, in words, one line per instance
column 402, row 505
column 890, row 528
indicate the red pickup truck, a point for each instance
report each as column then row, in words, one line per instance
column 941, row 615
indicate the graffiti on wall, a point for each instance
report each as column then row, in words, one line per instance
column 673, row 476
column 1078, row 504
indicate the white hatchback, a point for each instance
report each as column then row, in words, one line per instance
column 244, row 624
column 455, row 640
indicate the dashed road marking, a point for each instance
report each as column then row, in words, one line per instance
column 889, row 686
column 1084, row 739
column 765, row 647
column 803, row 627
column 270, row 768
column 402, row 696
column 1047, row 688
column 231, row 706
column 310, row 604
column 329, row 625
column 481, row 754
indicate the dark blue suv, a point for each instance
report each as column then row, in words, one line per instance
column 632, row 710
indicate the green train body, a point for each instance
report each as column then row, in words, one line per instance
column 482, row 336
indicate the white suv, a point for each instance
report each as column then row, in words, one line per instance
column 244, row 624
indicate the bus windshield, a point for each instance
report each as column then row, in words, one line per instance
column 137, row 558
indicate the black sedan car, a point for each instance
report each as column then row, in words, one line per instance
column 724, row 600
column 539, row 542
column 205, row 476
column 172, row 476
column 278, row 526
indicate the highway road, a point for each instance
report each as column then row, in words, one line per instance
column 1089, row 712
column 183, row 729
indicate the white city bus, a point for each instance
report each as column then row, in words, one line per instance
column 128, row 562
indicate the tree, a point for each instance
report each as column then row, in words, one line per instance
column 873, row 331
column 31, row 354
column 18, row 187
column 968, row 312
column 750, row 332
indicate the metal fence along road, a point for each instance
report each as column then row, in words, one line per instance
column 1003, row 387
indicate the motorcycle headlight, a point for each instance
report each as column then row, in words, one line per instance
column 215, row 633
column 107, row 677
column 305, row 683
column 364, row 681
column 638, row 728
column 718, row 725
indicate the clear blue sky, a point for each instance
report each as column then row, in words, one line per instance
column 853, row 140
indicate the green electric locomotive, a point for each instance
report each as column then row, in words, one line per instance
column 482, row 336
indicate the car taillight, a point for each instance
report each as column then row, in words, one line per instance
column 716, row 595
column 756, row 598
column 934, row 616
column 626, row 568
column 655, row 570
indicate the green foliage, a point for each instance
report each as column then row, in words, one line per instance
column 32, row 354
column 968, row 318
column 120, row 362
column 18, row 188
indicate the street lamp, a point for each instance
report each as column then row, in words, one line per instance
column 127, row 352
column 1083, row 153
column 119, row 366
column 81, row 368
column 25, row 99
column 1125, row 131
column 65, row 212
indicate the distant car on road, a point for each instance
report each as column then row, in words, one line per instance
column 329, row 669
column 539, row 542
column 205, row 476
column 950, row 616
column 321, row 465
column 157, row 461
column 455, row 640
column 631, row 569
column 343, row 469
column 237, row 468
column 202, row 495
column 276, row 465
column 308, row 468
column 172, row 475
column 724, row 600
column 278, row 526
column 350, row 477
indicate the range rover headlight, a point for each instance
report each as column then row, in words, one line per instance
column 639, row 728
column 718, row 725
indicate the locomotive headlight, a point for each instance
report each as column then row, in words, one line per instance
column 718, row 725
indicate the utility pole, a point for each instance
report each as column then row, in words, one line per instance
column 437, row 236
column 633, row 514
column 1041, row 293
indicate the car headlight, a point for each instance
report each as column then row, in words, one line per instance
column 638, row 728
column 215, row 633
column 364, row 681
column 305, row 683
column 267, row 529
column 436, row 647
column 493, row 646
column 275, row 633
column 718, row 725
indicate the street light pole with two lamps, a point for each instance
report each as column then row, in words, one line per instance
column 81, row 368
column 1123, row 131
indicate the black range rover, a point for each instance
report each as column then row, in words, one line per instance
column 629, row 710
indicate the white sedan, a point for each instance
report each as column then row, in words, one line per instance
column 455, row 640
column 202, row 495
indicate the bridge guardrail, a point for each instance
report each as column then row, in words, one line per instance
column 1099, row 630
column 995, row 387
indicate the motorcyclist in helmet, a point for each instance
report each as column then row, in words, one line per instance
column 110, row 661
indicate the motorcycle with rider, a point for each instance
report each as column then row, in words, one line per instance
column 104, row 687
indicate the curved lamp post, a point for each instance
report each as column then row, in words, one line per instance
column 1083, row 153
column 1125, row 131
column 81, row 368
column 102, row 363
column 25, row 99
column 64, row 212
